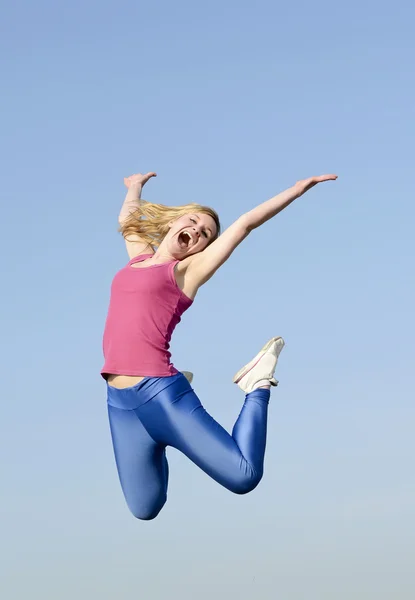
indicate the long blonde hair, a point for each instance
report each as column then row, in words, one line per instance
column 151, row 221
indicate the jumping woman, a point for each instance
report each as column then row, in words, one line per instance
column 174, row 251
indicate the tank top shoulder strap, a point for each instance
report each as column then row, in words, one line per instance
column 172, row 276
column 171, row 268
column 139, row 258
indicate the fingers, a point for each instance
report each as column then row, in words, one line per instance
column 148, row 176
column 138, row 178
column 325, row 178
column 306, row 184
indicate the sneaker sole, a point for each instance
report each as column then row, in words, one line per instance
column 242, row 372
column 189, row 376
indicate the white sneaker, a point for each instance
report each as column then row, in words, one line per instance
column 260, row 370
column 188, row 375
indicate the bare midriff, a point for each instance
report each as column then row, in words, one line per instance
column 123, row 381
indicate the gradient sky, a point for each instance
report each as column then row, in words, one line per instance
column 230, row 102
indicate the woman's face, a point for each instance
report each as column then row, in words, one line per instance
column 190, row 234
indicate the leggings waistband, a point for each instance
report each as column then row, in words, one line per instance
column 133, row 397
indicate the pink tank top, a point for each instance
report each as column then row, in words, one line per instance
column 145, row 306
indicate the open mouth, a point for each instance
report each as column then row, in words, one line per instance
column 184, row 239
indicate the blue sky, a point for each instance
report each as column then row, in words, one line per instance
column 230, row 103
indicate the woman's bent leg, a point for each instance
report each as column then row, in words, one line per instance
column 175, row 417
column 141, row 463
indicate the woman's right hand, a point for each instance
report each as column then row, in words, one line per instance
column 138, row 179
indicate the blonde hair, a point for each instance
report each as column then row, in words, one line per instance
column 151, row 221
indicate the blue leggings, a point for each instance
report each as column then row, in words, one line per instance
column 165, row 411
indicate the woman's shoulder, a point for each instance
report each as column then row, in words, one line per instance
column 188, row 288
column 140, row 257
column 182, row 265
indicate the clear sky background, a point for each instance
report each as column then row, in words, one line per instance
column 230, row 102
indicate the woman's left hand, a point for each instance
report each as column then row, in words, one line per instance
column 306, row 184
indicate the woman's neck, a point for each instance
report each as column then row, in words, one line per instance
column 161, row 256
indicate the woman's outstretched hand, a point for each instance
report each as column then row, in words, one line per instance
column 138, row 179
column 306, row 184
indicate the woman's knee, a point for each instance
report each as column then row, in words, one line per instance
column 146, row 511
column 246, row 483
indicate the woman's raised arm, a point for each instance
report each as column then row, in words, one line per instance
column 202, row 266
column 134, row 244
column 265, row 211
